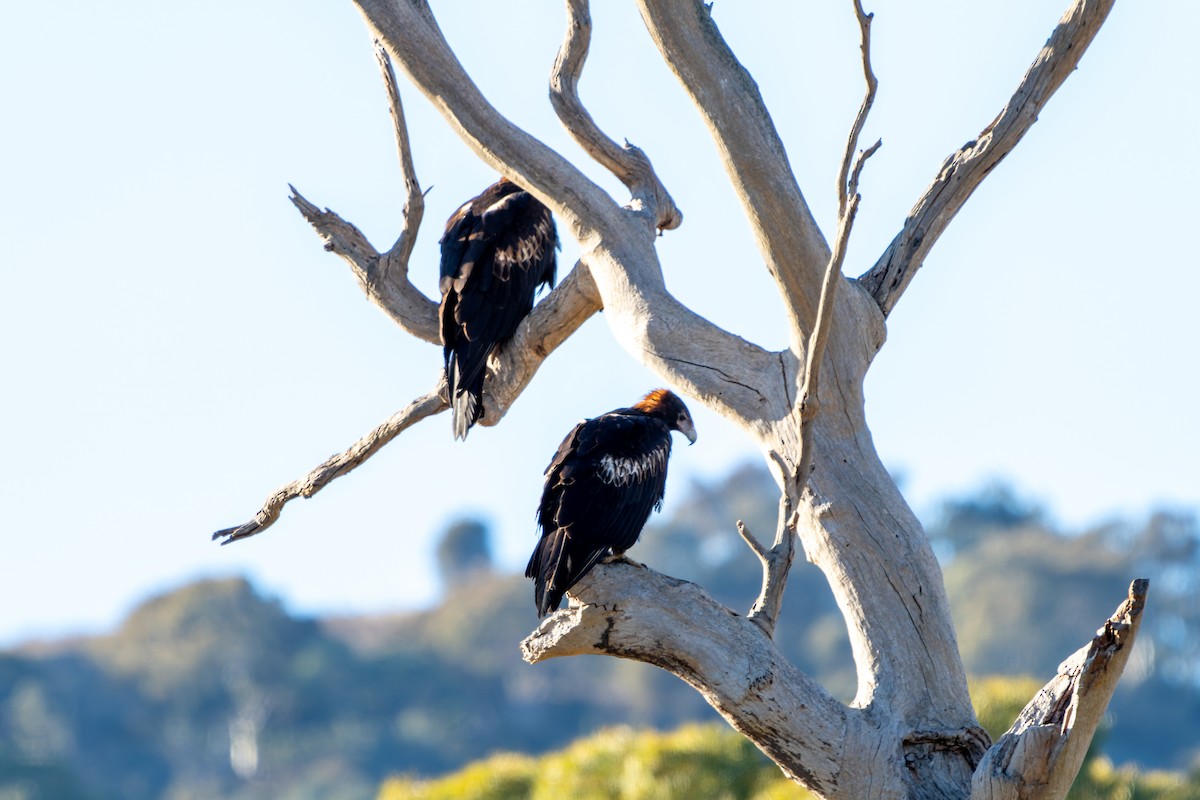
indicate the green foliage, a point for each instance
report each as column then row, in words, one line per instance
column 714, row 762
column 1099, row 780
column 709, row 761
column 502, row 777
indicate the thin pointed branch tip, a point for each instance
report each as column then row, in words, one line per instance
column 752, row 540
column 336, row 466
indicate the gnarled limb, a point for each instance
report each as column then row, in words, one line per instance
column 629, row 163
column 633, row 612
column 1041, row 753
column 338, row 465
column 963, row 171
column 776, row 564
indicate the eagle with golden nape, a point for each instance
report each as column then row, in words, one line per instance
column 497, row 251
column 607, row 476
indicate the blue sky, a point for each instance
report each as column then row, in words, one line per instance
column 177, row 344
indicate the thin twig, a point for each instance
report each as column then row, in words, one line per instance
column 338, row 465
column 414, row 202
column 752, row 540
column 848, row 201
column 863, row 155
column 778, row 561
column 848, row 186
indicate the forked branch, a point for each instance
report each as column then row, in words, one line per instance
column 384, row 277
column 629, row 163
column 964, row 170
column 338, row 465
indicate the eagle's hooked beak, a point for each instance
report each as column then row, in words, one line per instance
column 688, row 430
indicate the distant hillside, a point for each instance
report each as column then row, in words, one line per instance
column 213, row 690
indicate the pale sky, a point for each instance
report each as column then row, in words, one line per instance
column 177, row 344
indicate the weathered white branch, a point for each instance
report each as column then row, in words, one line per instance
column 795, row 476
column 963, row 171
column 511, row 368
column 629, row 163
column 633, row 612
column 791, row 243
column 776, row 563
column 338, row 465
column 1042, row 752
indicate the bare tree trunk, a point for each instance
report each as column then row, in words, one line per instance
column 910, row 731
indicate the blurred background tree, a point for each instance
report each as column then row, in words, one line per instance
column 214, row 690
column 464, row 552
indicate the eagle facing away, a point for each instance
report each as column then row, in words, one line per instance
column 497, row 250
column 606, row 477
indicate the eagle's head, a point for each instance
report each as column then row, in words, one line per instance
column 666, row 405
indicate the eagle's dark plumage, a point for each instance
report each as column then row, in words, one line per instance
column 496, row 251
column 606, row 477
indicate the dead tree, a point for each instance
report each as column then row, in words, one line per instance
column 910, row 731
